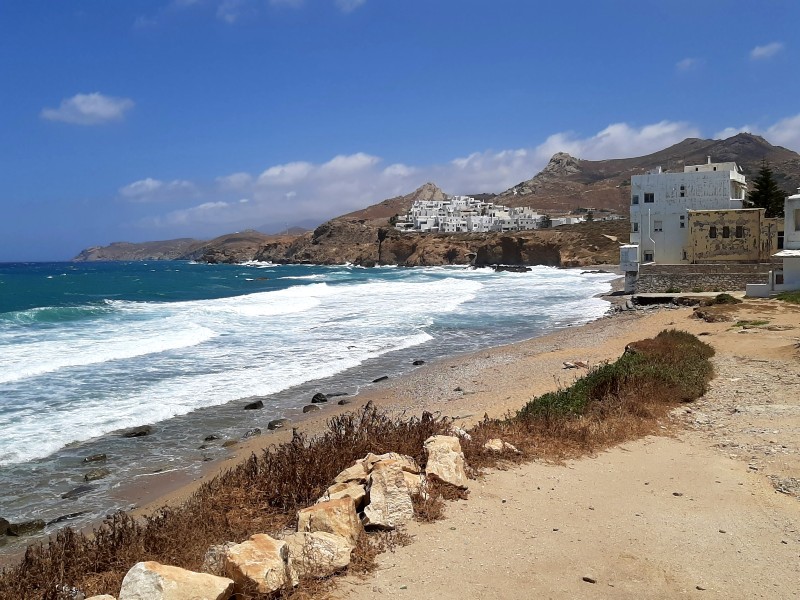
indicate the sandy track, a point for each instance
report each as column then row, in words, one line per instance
column 697, row 514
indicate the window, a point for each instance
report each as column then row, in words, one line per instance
column 649, row 198
column 658, row 225
column 684, row 255
column 683, row 191
column 635, row 227
column 726, row 231
column 739, row 231
column 712, row 232
column 683, row 221
column 635, row 199
column 648, row 257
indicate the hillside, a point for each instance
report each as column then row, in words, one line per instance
column 567, row 182
column 232, row 247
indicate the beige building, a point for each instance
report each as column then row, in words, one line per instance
column 743, row 235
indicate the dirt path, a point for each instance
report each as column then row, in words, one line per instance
column 711, row 512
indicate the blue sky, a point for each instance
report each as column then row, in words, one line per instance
column 157, row 119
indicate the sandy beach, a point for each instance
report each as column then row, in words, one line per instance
column 710, row 508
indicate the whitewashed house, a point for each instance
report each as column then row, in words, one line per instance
column 659, row 210
column 787, row 277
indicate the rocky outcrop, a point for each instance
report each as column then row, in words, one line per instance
column 154, row 581
column 446, row 460
column 338, row 517
column 261, row 562
column 390, row 502
column 317, row 554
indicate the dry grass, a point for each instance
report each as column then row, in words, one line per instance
column 614, row 402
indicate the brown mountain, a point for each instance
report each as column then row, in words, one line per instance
column 232, row 247
column 567, row 183
column 397, row 205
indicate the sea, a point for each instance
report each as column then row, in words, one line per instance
column 89, row 350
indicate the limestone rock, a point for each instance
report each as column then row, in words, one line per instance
column 334, row 516
column 261, row 561
column 406, row 462
column 358, row 472
column 498, row 445
column 103, row 597
column 214, row 559
column 415, row 483
column 316, row 554
column 353, row 489
column 389, row 498
column 154, row 581
column 446, row 460
column 138, row 432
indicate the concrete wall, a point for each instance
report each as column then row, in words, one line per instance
column 707, row 277
column 751, row 236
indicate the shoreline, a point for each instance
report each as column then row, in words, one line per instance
column 451, row 379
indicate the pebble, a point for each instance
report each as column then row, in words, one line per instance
column 589, row 579
column 677, row 493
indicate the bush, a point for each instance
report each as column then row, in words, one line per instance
column 792, row 297
column 723, row 299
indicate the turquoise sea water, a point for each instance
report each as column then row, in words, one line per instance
column 88, row 349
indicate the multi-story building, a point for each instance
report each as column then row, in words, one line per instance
column 660, row 205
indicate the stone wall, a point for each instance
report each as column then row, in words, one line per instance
column 705, row 278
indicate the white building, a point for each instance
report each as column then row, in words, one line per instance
column 659, row 205
column 466, row 214
column 787, row 277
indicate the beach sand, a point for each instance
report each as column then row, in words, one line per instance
column 695, row 512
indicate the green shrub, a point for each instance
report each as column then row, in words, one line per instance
column 793, row 297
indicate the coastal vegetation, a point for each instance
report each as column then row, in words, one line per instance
column 791, row 297
column 611, row 403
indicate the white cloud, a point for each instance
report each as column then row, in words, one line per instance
column 766, row 51
column 344, row 164
column 154, row 190
column 688, row 64
column 89, row 109
column 785, row 132
column 287, row 174
column 304, row 190
column 619, row 140
column 349, row 5
column 235, row 181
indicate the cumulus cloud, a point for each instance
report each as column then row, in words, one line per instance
column 766, row 51
column 303, row 190
column 785, row 132
column 155, row 190
column 89, row 109
column 619, row 140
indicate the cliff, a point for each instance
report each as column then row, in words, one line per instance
column 361, row 243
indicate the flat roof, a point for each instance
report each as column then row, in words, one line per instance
column 788, row 254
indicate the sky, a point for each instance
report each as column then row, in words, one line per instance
column 155, row 119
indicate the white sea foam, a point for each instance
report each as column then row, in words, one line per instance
column 146, row 362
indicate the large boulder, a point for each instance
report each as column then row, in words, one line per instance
column 154, row 581
column 24, row 528
column 405, row 462
column 446, row 460
column 318, row 554
column 358, row 472
column 260, row 561
column 214, row 559
column 389, row 497
column 334, row 516
column 103, row 597
column 353, row 489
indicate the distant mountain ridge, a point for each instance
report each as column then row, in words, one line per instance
column 565, row 184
